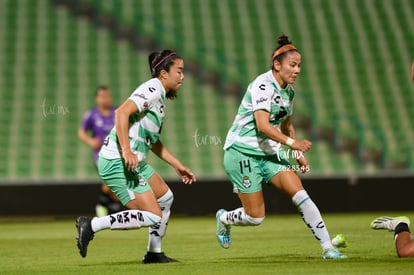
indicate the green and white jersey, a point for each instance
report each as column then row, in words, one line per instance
column 144, row 126
column 264, row 93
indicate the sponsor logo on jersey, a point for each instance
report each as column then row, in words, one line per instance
column 260, row 100
column 141, row 96
column 277, row 99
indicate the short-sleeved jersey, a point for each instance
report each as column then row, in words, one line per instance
column 99, row 125
column 144, row 126
column 264, row 93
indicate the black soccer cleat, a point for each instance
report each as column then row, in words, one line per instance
column 153, row 257
column 85, row 234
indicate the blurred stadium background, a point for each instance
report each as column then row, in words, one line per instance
column 355, row 99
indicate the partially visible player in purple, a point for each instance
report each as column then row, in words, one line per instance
column 96, row 125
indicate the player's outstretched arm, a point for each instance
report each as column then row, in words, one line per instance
column 163, row 153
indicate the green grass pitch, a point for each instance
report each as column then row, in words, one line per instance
column 281, row 245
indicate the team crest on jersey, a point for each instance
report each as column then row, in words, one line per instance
column 146, row 106
column 141, row 181
column 246, row 182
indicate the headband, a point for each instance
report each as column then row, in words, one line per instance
column 162, row 60
column 283, row 49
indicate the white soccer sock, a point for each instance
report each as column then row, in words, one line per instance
column 129, row 219
column 239, row 217
column 156, row 232
column 312, row 218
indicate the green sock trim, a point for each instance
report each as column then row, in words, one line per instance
column 299, row 204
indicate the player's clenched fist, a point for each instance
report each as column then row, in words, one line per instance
column 301, row 145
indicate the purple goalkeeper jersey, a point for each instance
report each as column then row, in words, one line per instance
column 99, row 125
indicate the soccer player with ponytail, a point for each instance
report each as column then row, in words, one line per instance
column 122, row 160
column 252, row 151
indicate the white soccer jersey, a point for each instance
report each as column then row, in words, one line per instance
column 264, row 93
column 144, row 126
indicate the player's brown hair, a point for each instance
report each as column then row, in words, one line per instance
column 284, row 47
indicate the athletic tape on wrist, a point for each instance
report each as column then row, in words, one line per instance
column 290, row 141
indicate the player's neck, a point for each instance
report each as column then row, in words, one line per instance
column 279, row 80
column 106, row 111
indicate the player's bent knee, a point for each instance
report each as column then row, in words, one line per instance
column 154, row 219
column 254, row 221
column 166, row 201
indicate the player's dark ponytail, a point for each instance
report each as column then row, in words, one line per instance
column 284, row 46
column 283, row 40
column 162, row 60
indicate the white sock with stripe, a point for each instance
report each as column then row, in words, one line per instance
column 312, row 218
column 157, row 232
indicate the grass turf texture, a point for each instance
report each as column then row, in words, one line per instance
column 281, row 245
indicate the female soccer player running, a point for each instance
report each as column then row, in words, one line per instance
column 263, row 123
column 122, row 165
